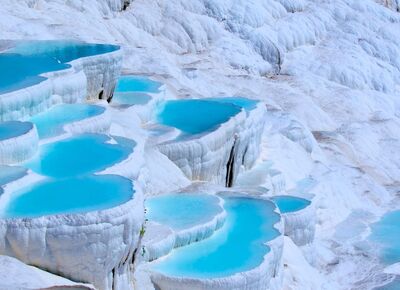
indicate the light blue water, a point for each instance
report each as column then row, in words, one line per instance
column 131, row 98
column 245, row 103
column 21, row 66
column 395, row 285
column 129, row 83
column 12, row 129
column 182, row 210
column 195, row 116
column 72, row 195
column 78, row 155
column 51, row 122
column 288, row 203
column 238, row 246
column 386, row 233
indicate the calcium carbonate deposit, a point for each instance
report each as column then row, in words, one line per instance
column 199, row 144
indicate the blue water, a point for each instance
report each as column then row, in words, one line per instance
column 288, row 203
column 245, row 103
column 21, row 66
column 129, row 83
column 12, row 129
column 395, row 285
column 131, row 98
column 78, row 155
column 386, row 234
column 238, row 246
column 71, row 195
column 195, row 116
column 51, row 122
column 182, row 210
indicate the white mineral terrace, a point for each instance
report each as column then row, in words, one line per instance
column 325, row 76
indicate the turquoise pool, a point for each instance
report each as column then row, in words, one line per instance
column 250, row 223
column 287, row 203
column 386, row 233
column 81, row 154
column 195, row 116
column 245, row 103
column 12, row 129
column 22, row 65
column 71, row 195
column 51, row 122
column 131, row 83
column 131, row 98
column 182, row 210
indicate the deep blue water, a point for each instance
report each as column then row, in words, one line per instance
column 12, row 129
column 196, row 116
column 288, row 203
column 71, row 195
column 21, row 66
column 182, row 210
column 238, row 246
column 51, row 122
column 79, row 155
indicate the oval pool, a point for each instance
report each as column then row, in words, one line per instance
column 81, row 154
column 71, row 195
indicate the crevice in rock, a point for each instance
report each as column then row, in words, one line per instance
column 230, row 166
column 126, row 4
column 244, row 154
column 101, row 94
column 113, row 279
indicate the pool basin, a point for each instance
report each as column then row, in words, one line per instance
column 79, row 155
column 287, row 203
column 131, row 83
column 53, row 121
column 245, row 103
column 22, row 65
column 66, row 196
column 192, row 216
column 235, row 248
column 195, row 116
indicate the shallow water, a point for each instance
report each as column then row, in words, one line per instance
column 245, row 103
column 238, row 246
column 21, row 66
column 196, row 116
column 78, row 155
column 182, row 210
column 131, row 98
column 51, row 122
column 288, row 203
column 71, row 195
column 12, row 129
column 130, row 83
column 386, row 233
column 11, row 173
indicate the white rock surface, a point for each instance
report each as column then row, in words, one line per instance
column 18, row 276
column 19, row 148
column 206, row 157
column 95, row 247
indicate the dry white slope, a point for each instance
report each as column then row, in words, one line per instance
column 330, row 70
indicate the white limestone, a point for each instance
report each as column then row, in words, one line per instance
column 95, row 247
column 300, row 225
column 16, row 275
column 17, row 149
column 205, row 158
column 265, row 276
